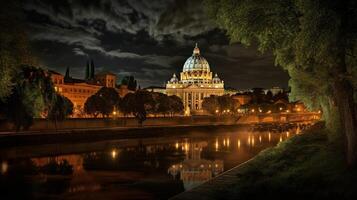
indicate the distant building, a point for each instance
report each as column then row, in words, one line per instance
column 243, row 99
column 78, row 90
column 156, row 89
column 230, row 91
column 196, row 82
column 274, row 90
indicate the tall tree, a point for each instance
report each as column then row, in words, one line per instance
column 93, row 105
column 130, row 82
column 211, row 105
column 61, row 108
column 31, row 96
column 14, row 46
column 176, row 104
column 314, row 40
column 102, row 102
column 138, row 104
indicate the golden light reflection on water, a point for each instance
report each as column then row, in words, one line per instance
column 4, row 167
column 114, row 153
column 216, row 145
column 183, row 156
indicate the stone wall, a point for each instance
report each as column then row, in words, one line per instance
column 91, row 123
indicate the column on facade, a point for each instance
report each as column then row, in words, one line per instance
column 199, row 101
column 192, row 101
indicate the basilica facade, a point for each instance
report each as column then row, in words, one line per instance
column 196, row 81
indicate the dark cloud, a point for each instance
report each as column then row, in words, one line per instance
column 147, row 39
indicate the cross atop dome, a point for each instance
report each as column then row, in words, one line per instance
column 196, row 50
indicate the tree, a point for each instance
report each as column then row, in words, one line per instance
column 175, row 104
column 31, row 96
column 161, row 103
column 315, row 41
column 130, row 82
column 211, row 105
column 93, row 105
column 126, row 104
column 110, row 97
column 138, row 104
column 102, row 102
column 14, row 47
column 62, row 107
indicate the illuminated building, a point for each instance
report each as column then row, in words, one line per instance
column 195, row 83
column 78, row 90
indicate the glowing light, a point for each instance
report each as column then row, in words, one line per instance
column 287, row 133
column 260, row 138
column 4, row 167
column 216, row 145
column 174, row 166
column 228, row 142
column 253, row 110
column 249, row 140
column 224, row 142
column 280, row 108
column 114, row 153
column 269, row 111
column 114, row 112
column 202, row 166
column 319, row 111
column 180, row 166
column 216, row 165
column 228, row 111
column 253, row 141
column 177, row 145
column 280, row 139
column 287, row 111
column 238, row 143
column 269, row 136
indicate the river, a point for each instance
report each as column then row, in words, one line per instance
column 146, row 168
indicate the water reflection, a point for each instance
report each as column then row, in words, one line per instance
column 194, row 170
column 153, row 168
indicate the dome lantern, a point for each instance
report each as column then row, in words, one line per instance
column 196, row 50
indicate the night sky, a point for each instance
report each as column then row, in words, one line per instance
column 150, row 39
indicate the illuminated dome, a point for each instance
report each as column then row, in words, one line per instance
column 196, row 62
column 174, row 79
column 216, row 79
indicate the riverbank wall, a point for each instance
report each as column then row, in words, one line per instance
column 98, row 123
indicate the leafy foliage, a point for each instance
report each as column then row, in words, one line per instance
column 130, row 82
column 62, row 107
column 102, row 102
column 31, row 96
column 219, row 104
column 14, row 47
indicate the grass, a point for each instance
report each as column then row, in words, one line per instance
column 307, row 166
